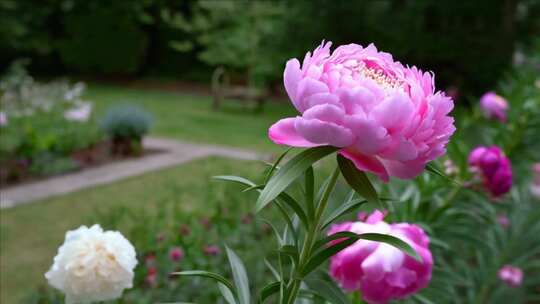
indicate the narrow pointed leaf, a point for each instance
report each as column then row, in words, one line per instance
column 206, row 274
column 358, row 180
column 327, row 290
column 290, row 172
column 310, row 188
column 268, row 290
column 342, row 210
column 276, row 164
column 239, row 276
column 226, row 293
column 432, row 169
column 236, row 179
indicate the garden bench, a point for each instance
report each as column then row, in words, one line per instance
column 222, row 89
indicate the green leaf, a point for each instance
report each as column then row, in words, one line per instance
column 310, row 188
column 272, row 269
column 239, row 276
column 290, row 172
column 226, row 293
column 276, row 232
column 288, row 220
column 343, row 209
column 276, row 164
column 327, row 290
column 350, row 238
column 236, row 179
column 206, row 274
column 291, row 251
column 268, row 290
column 358, row 180
column 432, row 169
column 295, row 206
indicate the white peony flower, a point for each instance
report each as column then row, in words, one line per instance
column 80, row 113
column 93, row 265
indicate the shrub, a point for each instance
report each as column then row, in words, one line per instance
column 125, row 125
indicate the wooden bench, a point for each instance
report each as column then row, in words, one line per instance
column 222, row 89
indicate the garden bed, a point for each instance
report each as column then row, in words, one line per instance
column 19, row 171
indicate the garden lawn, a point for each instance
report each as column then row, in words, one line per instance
column 190, row 117
column 31, row 234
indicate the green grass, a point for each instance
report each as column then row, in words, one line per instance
column 190, row 117
column 31, row 234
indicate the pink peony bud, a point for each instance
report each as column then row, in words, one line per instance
column 494, row 106
column 511, row 275
column 151, row 277
column 493, row 167
column 503, row 220
column 206, row 223
column 535, row 185
column 184, row 230
column 385, row 117
column 176, row 254
column 380, row 271
column 211, row 250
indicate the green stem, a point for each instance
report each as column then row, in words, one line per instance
column 311, row 238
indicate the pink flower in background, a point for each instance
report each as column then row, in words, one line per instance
column 503, row 220
column 450, row 168
column 535, row 185
column 247, row 218
column 184, row 230
column 494, row 106
column 81, row 113
column 493, row 167
column 151, row 277
column 3, row 119
column 176, row 254
column 384, row 117
column 211, row 250
column 150, row 260
column 511, row 275
column 379, row 271
column 205, row 221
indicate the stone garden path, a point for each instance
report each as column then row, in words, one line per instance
column 173, row 153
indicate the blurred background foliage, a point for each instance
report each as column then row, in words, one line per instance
column 469, row 43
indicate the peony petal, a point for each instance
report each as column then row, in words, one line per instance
column 325, row 112
column 322, row 98
column 384, row 259
column 366, row 163
column 403, row 170
column 283, row 132
column 291, row 76
column 394, row 112
column 324, row 133
column 306, row 88
column 370, row 136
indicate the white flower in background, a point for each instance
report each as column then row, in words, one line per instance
column 3, row 119
column 535, row 185
column 79, row 113
column 93, row 265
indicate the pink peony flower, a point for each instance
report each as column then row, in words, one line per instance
column 3, row 119
column 211, row 250
column 493, row 167
column 503, row 220
column 535, row 185
column 511, row 275
column 494, row 106
column 384, row 117
column 176, row 254
column 379, row 271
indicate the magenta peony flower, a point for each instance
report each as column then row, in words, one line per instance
column 151, row 277
column 176, row 254
column 511, row 275
column 493, row 167
column 535, row 185
column 211, row 250
column 379, row 271
column 385, row 117
column 494, row 106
